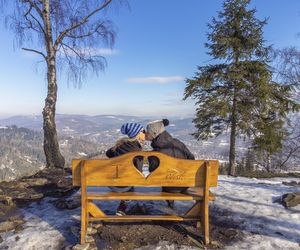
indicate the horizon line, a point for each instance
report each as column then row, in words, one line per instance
column 91, row 115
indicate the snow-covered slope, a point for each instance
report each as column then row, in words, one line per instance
column 247, row 204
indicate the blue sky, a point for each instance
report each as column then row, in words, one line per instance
column 159, row 43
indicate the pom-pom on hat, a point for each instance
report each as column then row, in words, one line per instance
column 155, row 128
column 131, row 129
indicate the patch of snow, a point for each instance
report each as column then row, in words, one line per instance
column 28, row 158
column 64, row 143
column 223, row 161
column 82, row 153
column 223, row 144
column 2, row 167
column 67, row 129
column 250, row 205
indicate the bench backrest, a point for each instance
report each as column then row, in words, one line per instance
column 120, row 171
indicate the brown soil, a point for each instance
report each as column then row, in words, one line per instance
column 19, row 193
column 146, row 235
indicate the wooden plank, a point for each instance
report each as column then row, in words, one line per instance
column 145, row 196
column 198, row 191
column 76, row 172
column 141, row 218
column 94, row 210
column 83, row 206
column 104, row 172
column 204, row 207
column 120, row 171
column 194, row 211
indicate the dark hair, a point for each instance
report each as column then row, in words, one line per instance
column 165, row 122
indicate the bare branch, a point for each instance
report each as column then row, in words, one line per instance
column 38, row 22
column 87, row 34
column 34, row 5
column 76, row 25
column 72, row 49
column 33, row 17
column 36, row 51
column 28, row 11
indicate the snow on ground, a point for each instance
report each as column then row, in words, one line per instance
column 250, row 204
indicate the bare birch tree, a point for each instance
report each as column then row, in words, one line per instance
column 66, row 33
column 287, row 64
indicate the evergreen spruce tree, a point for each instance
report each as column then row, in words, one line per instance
column 237, row 92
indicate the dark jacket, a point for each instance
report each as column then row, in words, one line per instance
column 166, row 144
column 124, row 146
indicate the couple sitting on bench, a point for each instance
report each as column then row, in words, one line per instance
column 161, row 141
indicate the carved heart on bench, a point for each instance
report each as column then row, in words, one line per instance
column 146, row 165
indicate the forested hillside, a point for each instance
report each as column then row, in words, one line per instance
column 21, row 152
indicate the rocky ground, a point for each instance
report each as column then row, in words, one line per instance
column 57, row 183
column 17, row 194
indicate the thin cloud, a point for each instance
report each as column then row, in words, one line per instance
column 155, row 79
column 92, row 51
column 104, row 52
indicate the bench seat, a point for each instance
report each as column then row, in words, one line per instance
column 142, row 218
column 191, row 195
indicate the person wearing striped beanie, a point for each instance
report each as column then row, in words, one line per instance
column 131, row 129
column 134, row 141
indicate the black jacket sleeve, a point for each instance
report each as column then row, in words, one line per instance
column 110, row 153
column 188, row 153
column 184, row 151
column 125, row 148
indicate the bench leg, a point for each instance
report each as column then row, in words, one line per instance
column 83, row 223
column 205, row 222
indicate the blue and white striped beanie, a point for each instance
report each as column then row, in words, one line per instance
column 131, row 129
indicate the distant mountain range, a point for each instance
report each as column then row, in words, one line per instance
column 81, row 135
column 85, row 123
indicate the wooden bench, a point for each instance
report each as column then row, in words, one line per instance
column 200, row 175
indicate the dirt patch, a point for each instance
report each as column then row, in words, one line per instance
column 134, row 235
column 145, row 235
column 129, row 236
